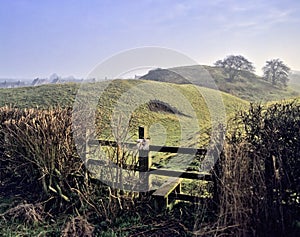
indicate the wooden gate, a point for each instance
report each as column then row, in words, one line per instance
column 165, row 195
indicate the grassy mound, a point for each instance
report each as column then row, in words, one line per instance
column 248, row 86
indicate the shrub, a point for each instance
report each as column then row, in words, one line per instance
column 258, row 174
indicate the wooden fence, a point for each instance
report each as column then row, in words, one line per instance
column 165, row 195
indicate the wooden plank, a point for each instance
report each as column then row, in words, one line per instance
column 162, row 172
column 106, row 163
column 111, row 144
column 170, row 149
column 179, row 150
column 166, row 189
column 186, row 175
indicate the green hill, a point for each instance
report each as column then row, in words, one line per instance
column 168, row 115
column 248, row 86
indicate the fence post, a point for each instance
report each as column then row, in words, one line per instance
column 144, row 156
column 143, row 146
column 141, row 132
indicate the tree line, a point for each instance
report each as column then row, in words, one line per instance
column 274, row 71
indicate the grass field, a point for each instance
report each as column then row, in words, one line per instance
column 122, row 99
column 185, row 104
column 113, row 99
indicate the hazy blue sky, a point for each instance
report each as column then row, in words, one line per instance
column 38, row 38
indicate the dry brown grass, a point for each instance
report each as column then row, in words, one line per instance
column 28, row 213
column 77, row 226
column 257, row 176
column 39, row 160
column 37, row 146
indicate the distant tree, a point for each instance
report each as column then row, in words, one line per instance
column 234, row 65
column 276, row 72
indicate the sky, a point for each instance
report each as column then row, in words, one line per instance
column 70, row 37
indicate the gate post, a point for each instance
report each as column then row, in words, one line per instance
column 144, row 153
column 144, row 157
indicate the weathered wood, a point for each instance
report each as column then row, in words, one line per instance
column 170, row 149
column 186, row 175
column 129, row 145
column 166, row 189
column 161, row 195
column 179, row 150
column 143, row 148
column 92, row 162
column 163, row 172
column 144, row 158
column 141, row 132
column 164, row 196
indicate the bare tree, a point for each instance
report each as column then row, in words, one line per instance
column 234, row 65
column 276, row 72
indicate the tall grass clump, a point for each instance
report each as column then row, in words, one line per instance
column 40, row 163
column 258, row 175
column 37, row 149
